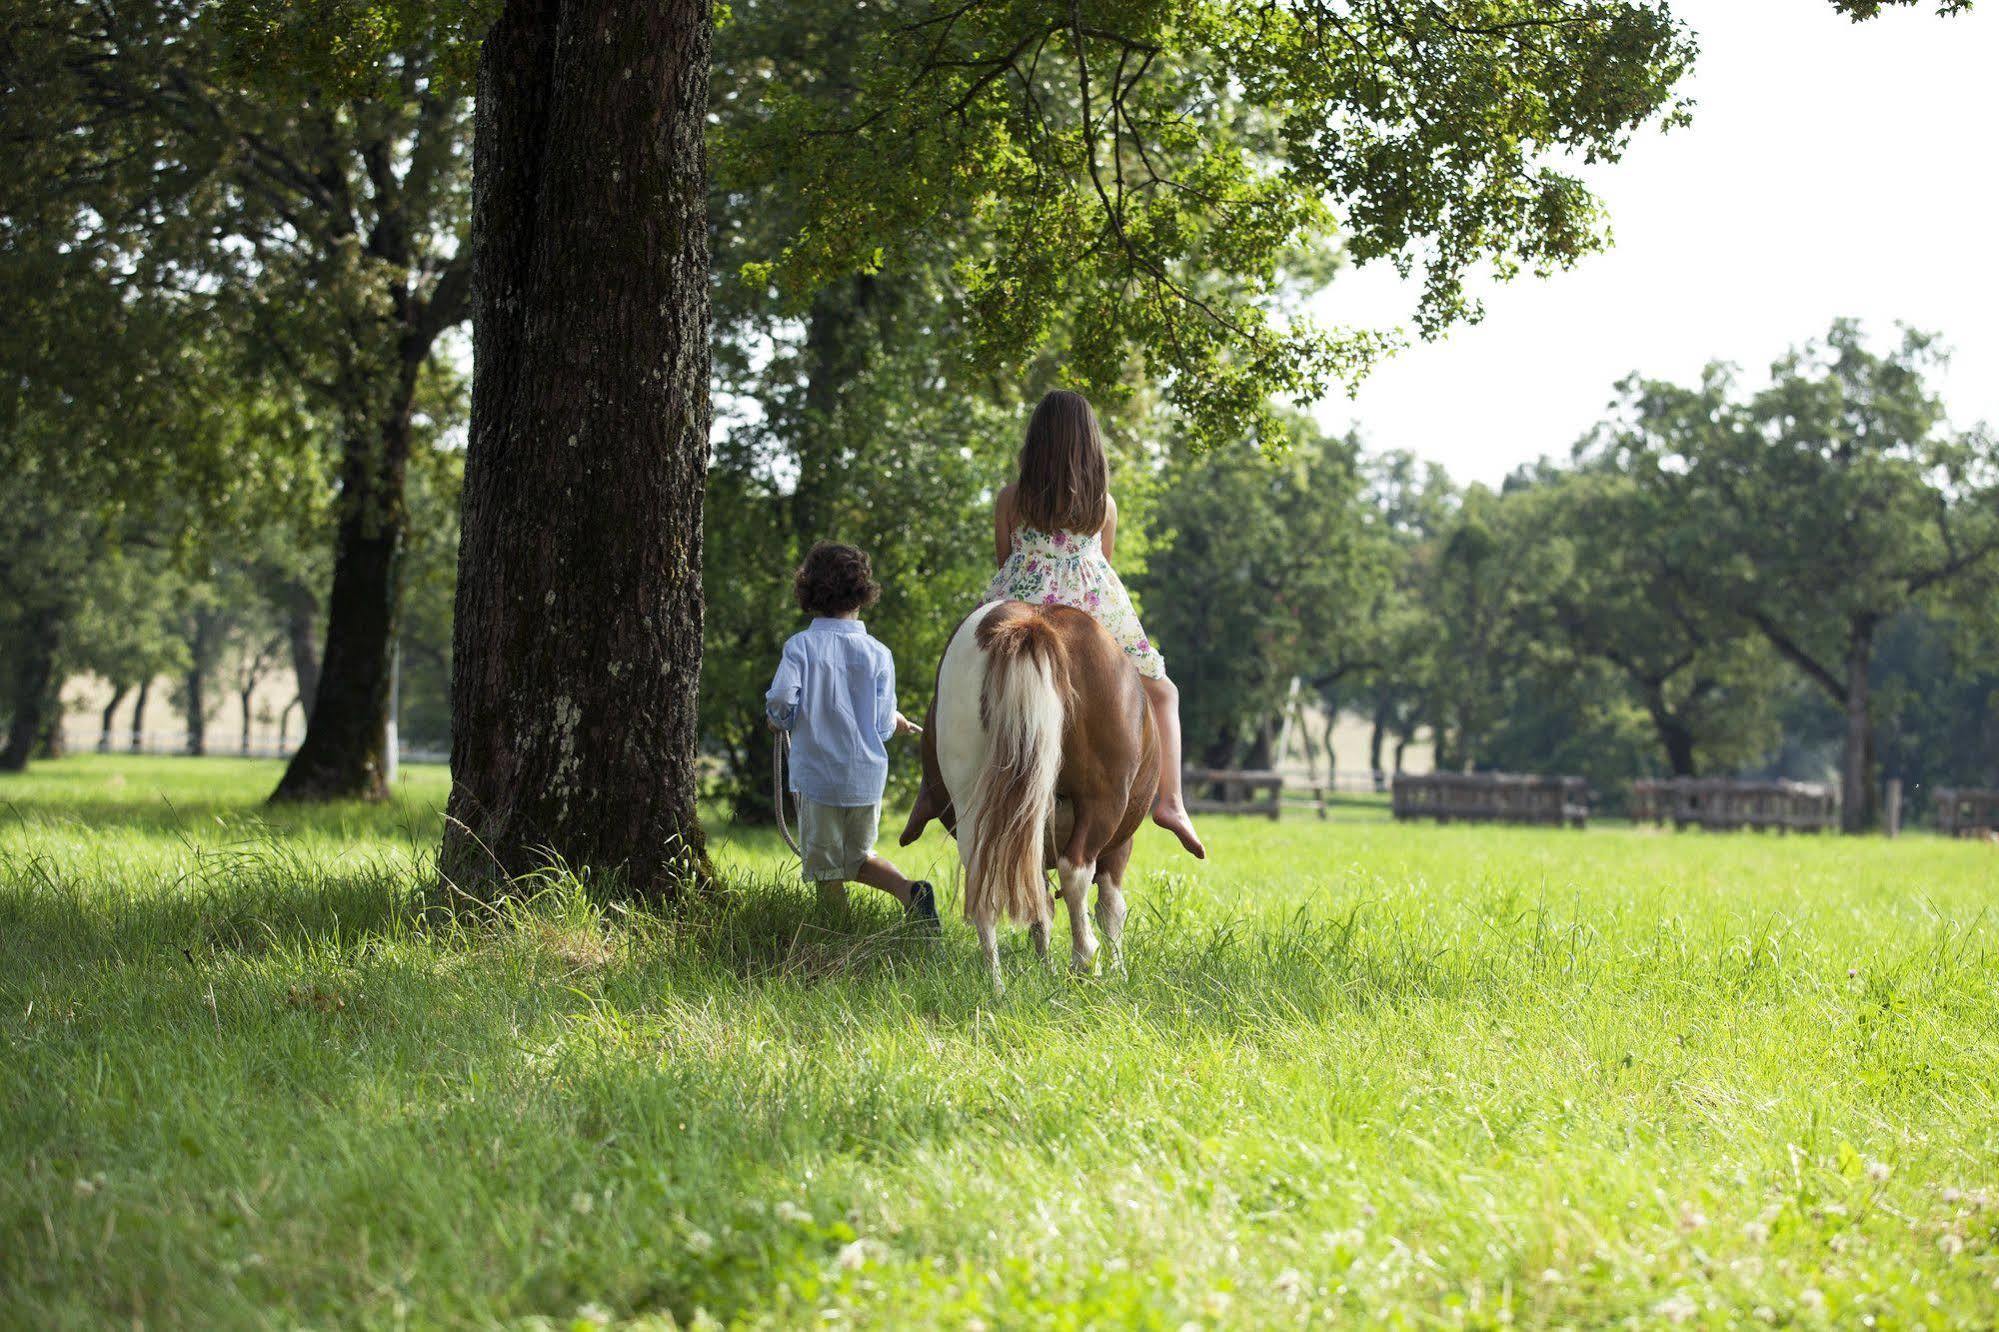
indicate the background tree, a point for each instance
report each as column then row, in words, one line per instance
column 1937, row 699
column 1263, row 572
column 123, row 633
column 1481, row 581
column 1703, row 679
column 95, row 381
column 1410, row 503
column 1824, row 505
column 430, row 566
column 308, row 169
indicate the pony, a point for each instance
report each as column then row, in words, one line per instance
column 1039, row 753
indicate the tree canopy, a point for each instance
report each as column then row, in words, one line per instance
column 1153, row 170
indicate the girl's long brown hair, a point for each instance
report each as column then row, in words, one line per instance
column 1063, row 485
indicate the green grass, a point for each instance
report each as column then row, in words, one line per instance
column 1358, row 1072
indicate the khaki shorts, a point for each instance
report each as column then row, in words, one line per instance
column 836, row 839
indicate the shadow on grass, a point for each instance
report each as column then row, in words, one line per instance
column 246, row 899
column 405, row 820
column 266, row 893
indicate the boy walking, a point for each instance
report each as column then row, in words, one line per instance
column 834, row 692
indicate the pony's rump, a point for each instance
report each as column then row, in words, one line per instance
column 1022, row 712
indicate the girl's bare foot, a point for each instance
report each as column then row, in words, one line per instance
column 1172, row 816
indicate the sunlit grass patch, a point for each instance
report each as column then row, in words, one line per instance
column 1356, row 1072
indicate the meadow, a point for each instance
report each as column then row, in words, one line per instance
column 1357, row 1073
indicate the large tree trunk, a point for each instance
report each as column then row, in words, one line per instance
column 342, row 756
column 301, row 609
column 1857, row 804
column 139, row 714
column 33, row 687
column 118, row 693
column 577, row 648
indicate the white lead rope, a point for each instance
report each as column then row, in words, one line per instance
column 780, row 750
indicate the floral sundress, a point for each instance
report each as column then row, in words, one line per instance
column 1068, row 569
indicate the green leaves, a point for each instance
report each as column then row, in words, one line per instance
column 1861, row 10
column 1141, row 171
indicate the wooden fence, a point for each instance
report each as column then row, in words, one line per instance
column 223, row 741
column 1724, row 802
column 1965, row 813
column 1225, row 791
column 1492, row 797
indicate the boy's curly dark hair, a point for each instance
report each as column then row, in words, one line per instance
column 835, row 578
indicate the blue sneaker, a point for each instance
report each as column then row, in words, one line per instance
column 922, row 908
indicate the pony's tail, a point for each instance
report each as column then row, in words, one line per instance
column 1014, row 796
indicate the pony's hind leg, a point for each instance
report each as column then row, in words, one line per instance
column 1110, row 902
column 1037, row 933
column 1075, row 895
column 987, row 924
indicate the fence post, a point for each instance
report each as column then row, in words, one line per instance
column 1894, row 803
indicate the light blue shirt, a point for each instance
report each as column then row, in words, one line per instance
column 835, row 693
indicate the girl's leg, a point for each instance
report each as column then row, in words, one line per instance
column 1169, row 809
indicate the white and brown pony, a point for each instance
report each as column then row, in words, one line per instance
column 1039, row 754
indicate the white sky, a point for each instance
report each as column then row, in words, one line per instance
column 1831, row 169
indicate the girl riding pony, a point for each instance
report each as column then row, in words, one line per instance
column 1054, row 531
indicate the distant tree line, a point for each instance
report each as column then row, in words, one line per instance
column 1798, row 579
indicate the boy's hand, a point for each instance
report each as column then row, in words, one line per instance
column 904, row 726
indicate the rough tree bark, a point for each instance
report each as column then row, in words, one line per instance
column 577, row 647
column 33, row 686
